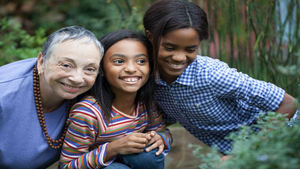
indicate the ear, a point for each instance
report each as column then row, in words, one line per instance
column 149, row 35
column 40, row 63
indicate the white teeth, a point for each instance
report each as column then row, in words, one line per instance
column 178, row 66
column 131, row 79
column 70, row 86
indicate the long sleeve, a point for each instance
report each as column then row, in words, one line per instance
column 228, row 83
column 79, row 148
column 159, row 126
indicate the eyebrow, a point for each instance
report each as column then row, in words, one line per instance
column 123, row 56
column 71, row 60
column 171, row 44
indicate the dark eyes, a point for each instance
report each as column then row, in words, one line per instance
column 65, row 66
column 121, row 61
column 118, row 61
column 91, row 69
column 69, row 67
column 169, row 48
column 191, row 50
column 141, row 61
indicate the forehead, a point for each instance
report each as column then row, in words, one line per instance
column 127, row 47
column 80, row 50
column 182, row 37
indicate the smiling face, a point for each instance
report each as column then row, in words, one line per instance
column 177, row 50
column 70, row 70
column 126, row 66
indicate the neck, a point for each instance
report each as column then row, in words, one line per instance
column 50, row 101
column 125, row 104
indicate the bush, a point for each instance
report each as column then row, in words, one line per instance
column 17, row 44
column 275, row 146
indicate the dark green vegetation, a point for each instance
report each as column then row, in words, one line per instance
column 276, row 146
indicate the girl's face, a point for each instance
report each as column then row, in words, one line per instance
column 177, row 50
column 126, row 66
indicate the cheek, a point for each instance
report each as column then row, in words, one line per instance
column 192, row 56
column 90, row 80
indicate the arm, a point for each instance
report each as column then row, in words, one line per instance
column 230, row 84
column 80, row 137
column 287, row 106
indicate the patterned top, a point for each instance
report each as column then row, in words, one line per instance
column 211, row 100
column 89, row 133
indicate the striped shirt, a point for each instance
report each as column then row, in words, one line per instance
column 89, row 133
column 211, row 100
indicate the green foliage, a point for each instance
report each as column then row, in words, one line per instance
column 275, row 146
column 100, row 16
column 16, row 44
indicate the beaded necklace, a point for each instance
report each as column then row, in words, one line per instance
column 55, row 144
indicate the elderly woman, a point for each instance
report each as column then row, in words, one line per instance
column 34, row 96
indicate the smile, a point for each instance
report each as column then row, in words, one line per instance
column 70, row 88
column 177, row 66
column 130, row 80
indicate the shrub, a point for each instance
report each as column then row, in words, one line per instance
column 17, row 44
column 275, row 146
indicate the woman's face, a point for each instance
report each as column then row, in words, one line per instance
column 177, row 50
column 70, row 70
column 126, row 66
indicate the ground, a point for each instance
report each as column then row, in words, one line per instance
column 181, row 155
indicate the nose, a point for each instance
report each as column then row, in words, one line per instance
column 130, row 67
column 77, row 77
column 179, row 57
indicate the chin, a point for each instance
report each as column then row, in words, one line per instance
column 69, row 96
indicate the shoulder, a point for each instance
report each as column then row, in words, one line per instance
column 208, row 63
column 16, row 80
column 87, row 109
column 17, row 70
column 201, row 70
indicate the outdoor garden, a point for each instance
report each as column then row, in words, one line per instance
column 257, row 37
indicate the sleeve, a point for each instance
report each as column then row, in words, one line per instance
column 168, row 119
column 228, row 83
column 81, row 135
column 159, row 126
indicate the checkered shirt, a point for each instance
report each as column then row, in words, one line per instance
column 211, row 100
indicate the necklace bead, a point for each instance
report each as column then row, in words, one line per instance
column 39, row 108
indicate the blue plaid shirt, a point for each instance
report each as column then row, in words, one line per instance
column 211, row 100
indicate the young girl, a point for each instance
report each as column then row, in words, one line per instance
column 203, row 94
column 116, row 125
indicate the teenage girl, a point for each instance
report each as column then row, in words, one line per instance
column 117, row 126
column 204, row 95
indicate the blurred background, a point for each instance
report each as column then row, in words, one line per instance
column 257, row 37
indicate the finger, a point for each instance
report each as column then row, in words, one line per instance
column 138, row 138
column 155, row 138
column 153, row 146
column 152, row 133
column 134, row 144
column 148, row 136
column 160, row 149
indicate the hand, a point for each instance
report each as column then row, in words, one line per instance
column 155, row 141
column 224, row 158
column 132, row 143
